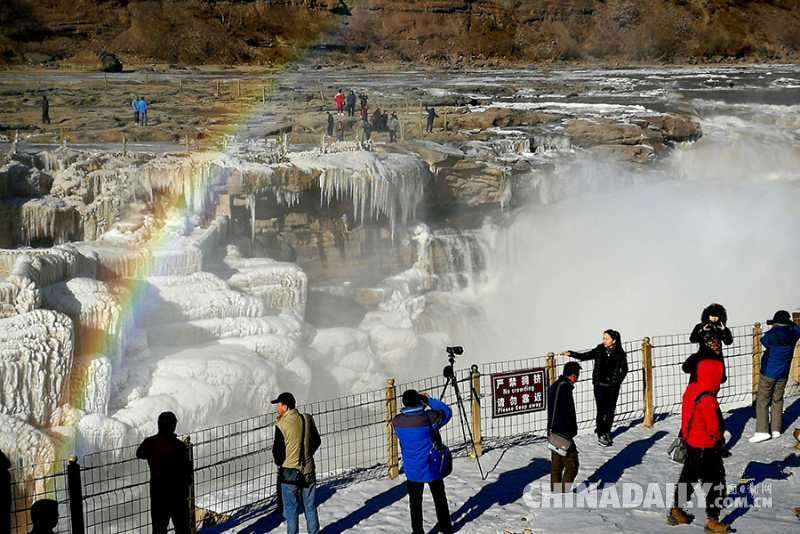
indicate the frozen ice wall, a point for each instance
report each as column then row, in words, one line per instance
column 36, row 352
column 379, row 185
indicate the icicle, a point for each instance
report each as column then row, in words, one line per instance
column 251, row 203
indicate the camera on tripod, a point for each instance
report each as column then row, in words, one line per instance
column 452, row 352
column 450, row 375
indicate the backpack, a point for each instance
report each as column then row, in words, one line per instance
column 439, row 457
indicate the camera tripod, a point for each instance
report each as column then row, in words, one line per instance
column 466, row 429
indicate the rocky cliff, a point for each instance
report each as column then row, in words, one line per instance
column 461, row 32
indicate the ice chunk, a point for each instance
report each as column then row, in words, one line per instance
column 35, row 360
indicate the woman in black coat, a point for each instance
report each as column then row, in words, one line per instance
column 610, row 369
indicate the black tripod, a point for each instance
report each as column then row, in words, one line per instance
column 450, row 375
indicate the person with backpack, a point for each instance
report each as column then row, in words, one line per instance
column 562, row 423
column 779, row 343
column 296, row 441
column 425, row 459
column 702, row 430
column 610, row 370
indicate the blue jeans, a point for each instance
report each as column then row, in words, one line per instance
column 296, row 499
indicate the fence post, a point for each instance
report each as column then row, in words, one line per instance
column 75, row 491
column 391, row 438
column 551, row 367
column 647, row 362
column 192, row 506
column 796, row 364
column 475, row 408
column 756, row 358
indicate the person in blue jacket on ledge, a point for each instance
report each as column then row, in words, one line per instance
column 779, row 341
column 415, row 426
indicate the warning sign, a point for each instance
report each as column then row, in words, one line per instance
column 518, row 392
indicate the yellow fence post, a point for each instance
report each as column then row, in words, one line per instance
column 475, row 407
column 391, row 438
column 647, row 362
column 551, row 367
column 756, row 358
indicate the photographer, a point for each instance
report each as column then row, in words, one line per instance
column 296, row 441
column 416, row 429
column 610, row 370
column 710, row 333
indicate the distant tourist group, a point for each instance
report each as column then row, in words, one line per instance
column 700, row 446
column 378, row 121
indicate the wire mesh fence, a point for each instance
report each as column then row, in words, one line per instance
column 235, row 478
column 37, row 482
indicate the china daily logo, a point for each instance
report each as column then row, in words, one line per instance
column 630, row 495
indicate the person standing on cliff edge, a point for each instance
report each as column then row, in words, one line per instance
column 45, row 110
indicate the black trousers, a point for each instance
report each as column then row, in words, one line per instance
column 706, row 466
column 164, row 507
column 606, row 399
column 439, row 501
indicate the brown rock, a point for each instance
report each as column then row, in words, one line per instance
column 502, row 117
column 640, row 154
column 587, row 133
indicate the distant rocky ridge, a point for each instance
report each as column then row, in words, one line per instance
column 445, row 32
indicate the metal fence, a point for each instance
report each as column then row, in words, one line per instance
column 234, row 475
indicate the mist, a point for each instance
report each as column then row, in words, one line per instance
column 719, row 225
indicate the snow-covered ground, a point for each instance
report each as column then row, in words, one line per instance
column 516, row 472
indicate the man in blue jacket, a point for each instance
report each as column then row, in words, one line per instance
column 779, row 341
column 415, row 427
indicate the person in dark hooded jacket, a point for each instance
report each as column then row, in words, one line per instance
column 710, row 333
column 170, row 476
column 780, row 342
column 610, row 370
column 562, row 419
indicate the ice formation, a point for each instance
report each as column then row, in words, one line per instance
column 388, row 185
column 203, row 384
column 95, row 310
column 197, row 296
column 30, row 447
column 36, row 353
column 280, row 285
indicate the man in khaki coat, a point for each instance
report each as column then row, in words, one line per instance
column 296, row 441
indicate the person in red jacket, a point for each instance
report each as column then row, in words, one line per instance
column 702, row 428
column 339, row 98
